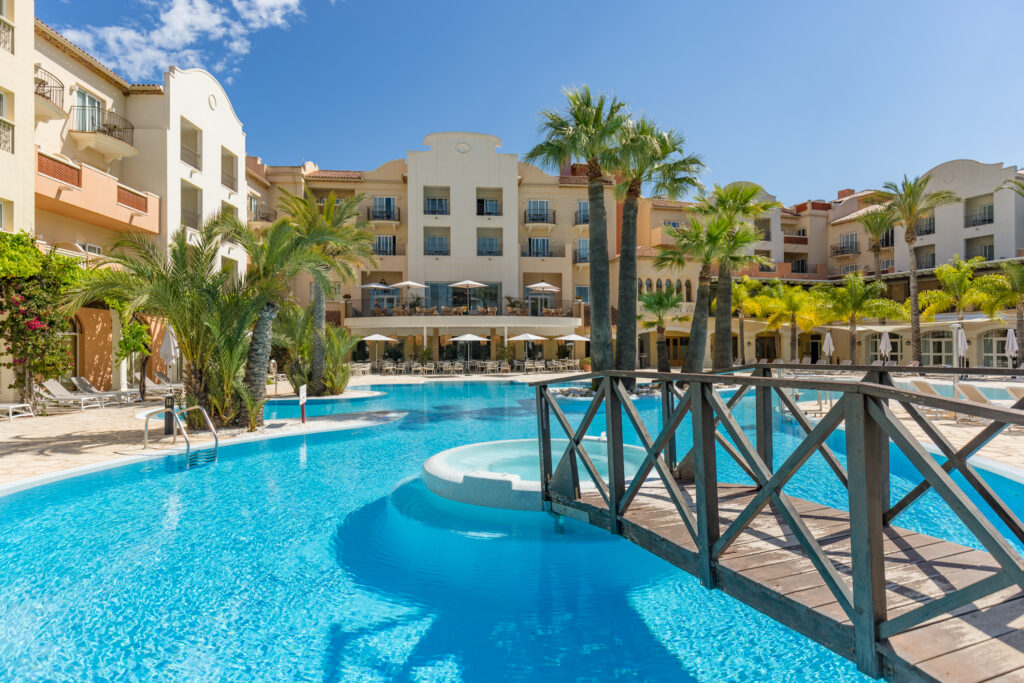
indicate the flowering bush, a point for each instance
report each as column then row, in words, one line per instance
column 33, row 327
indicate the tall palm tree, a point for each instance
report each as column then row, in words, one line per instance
column 744, row 303
column 706, row 240
column 852, row 302
column 787, row 304
column 1004, row 290
column 350, row 248
column 877, row 224
column 739, row 203
column 957, row 291
column 276, row 255
column 911, row 201
column 648, row 156
column 181, row 285
column 656, row 307
column 586, row 132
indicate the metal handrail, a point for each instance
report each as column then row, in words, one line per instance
column 180, row 425
column 209, row 424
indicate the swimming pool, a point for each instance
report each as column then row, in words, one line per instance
column 324, row 558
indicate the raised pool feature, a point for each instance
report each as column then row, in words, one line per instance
column 504, row 474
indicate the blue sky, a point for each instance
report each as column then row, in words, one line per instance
column 802, row 97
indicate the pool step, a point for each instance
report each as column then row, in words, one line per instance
column 201, row 456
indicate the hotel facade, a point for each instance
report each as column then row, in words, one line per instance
column 87, row 157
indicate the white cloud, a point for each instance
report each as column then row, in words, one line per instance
column 185, row 33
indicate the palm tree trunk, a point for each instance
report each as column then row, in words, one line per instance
column 694, row 361
column 853, row 339
column 722, row 357
column 663, row 364
column 877, row 248
column 792, row 340
column 625, row 345
column 600, row 294
column 258, row 361
column 318, row 362
column 742, row 343
column 915, row 310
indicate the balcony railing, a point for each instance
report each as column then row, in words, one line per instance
column 581, row 255
column 434, row 206
column 887, row 240
column 535, row 251
column 6, row 136
column 436, row 246
column 488, row 207
column 190, row 219
column 539, row 216
column 85, row 119
column 766, row 267
column 794, row 239
column 926, row 261
column 6, row 36
column 983, row 217
column 925, row 226
column 132, row 199
column 987, row 252
column 229, row 180
column 381, row 307
column 376, row 213
column 49, row 87
column 59, row 170
column 582, row 217
column 389, row 250
column 488, row 246
column 263, row 214
column 845, row 248
column 192, row 157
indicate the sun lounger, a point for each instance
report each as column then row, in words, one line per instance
column 86, row 387
column 1016, row 392
column 53, row 391
column 164, row 379
column 973, row 394
column 846, row 362
column 927, row 389
column 14, row 410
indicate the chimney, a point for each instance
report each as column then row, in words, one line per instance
column 843, row 194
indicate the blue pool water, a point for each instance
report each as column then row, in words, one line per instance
column 324, row 558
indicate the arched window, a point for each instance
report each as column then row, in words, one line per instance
column 639, row 286
column 649, row 285
column 679, row 286
column 895, row 348
column 993, row 349
column 658, row 285
column 937, row 348
column 689, row 291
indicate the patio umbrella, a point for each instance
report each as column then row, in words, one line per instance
column 469, row 338
column 169, row 349
column 467, row 285
column 1012, row 349
column 885, row 345
column 527, row 337
column 828, row 346
column 377, row 338
column 959, row 354
column 409, row 284
column 573, row 338
column 543, row 287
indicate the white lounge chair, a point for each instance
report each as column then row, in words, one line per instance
column 86, row 387
column 53, row 391
column 927, row 389
column 14, row 410
column 164, row 379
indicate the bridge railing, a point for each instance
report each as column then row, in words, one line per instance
column 864, row 410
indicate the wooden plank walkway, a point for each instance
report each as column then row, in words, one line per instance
column 767, row 568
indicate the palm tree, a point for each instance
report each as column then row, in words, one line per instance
column 787, row 304
column 657, row 305
column 957, row 291
column 586, row 132
column 744, row 303
column 181, row 285
column 852, row 302
column 1004, row 290
column 877, row 224
column 739, row 203
column 350, row 246
column 229, row 321
column 705, row 240
column 653, row 157
column 911, row 201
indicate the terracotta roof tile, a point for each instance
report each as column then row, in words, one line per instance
column 670, row 203
column 577, row 180
column 337, row 175
column 870, row 208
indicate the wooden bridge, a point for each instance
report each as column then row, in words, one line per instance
column 902, row 605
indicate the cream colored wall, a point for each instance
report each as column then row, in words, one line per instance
column 16, row 80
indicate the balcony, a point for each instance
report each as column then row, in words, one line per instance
column 488, row 246
column 985, row 216
column 925, row 226
column 192, row 157
column 83, row 193
column 229, row 180
column 436, row 246
column 446, row 307
column 386, row 213
column 488, row 207
column 539, row 216
column 6, row 136
column 926, row 261
column 535, row 251
column 795, row 239
column 49, row 96
column 109, row 134
column 190, row 218
column 844, row 249
column 987, row 252
column 886, row 242
column 389, row 250
column 6, row 36
column 582, row 218
column 581, row 255
column 435, row 206
column 262, row 214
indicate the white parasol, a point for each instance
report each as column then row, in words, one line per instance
column 529, row 338
column 829, row 346
column 378, row 338
column 169, row 349
column 543, row 287
column 1012, row 348
column 885, row 346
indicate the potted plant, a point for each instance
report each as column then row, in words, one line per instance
column 585, row 364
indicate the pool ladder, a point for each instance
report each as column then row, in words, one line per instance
column 192, row 459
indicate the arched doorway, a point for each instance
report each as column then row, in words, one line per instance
column 895, row 348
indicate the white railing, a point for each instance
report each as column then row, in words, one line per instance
column 6, row 35
column 6, row 134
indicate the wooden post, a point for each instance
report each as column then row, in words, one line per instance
column 763, row 412
column 883, row 378
column 868, row 473
column 544, row 434
column 706, row 479
column 616, row 471
column 667, row 406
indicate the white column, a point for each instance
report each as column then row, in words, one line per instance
column 118, row 371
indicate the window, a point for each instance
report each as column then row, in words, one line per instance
column 657, row 286
column 649, row 285
column 848, row 242
column 583, row 250
column 895, row 348
column 539, row 247
column 937, row 348
column 671, row 224
column 764, row 226
column 90, row 111
column 689, row 291
column 88, row 248
column 384, row 245
column 582, row 212
column 679, row 286
column 488, row 241
column 993, row 350
column 436, row 241
column 887, row 263
column 488, row 207
column 802, row 232
column 847, row 269
column 6, row 127
column 228, row 170
column 2, row 214
column 435, row 206
column 537, row 211
column 384, row 209
column 799, row 265
column 254, row 205
column 583, row 293
column 639, row 286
